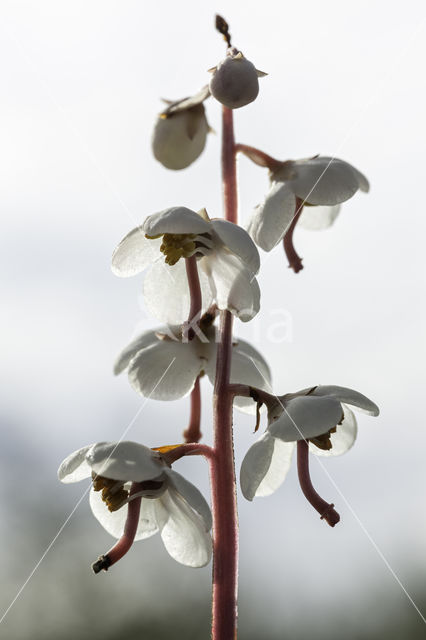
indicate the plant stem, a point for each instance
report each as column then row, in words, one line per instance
column 192, row 433
column 259, row 157
column 224, row 502
column 195, row 296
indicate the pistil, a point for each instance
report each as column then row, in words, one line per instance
column 128, row 537
column 295, row 261
column 326, row 510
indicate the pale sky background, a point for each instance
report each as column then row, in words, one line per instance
column 80, row 85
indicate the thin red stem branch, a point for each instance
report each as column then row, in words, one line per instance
column 295, row 261
column 195, row 296
column 259, row 157
column 127, row 539
column 189, row 449
column 192, row 433
column 326, row 510
column 224, row 502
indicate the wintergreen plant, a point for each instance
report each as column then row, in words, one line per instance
column 201, row 271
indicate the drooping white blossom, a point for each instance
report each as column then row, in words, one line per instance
column 180, row 131
column 320, row 181
column 235, row 80
column 320, row 415
column 162, row 366
column 227, row 261
column 170, row 505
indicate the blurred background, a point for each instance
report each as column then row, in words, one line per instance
column 80, row 87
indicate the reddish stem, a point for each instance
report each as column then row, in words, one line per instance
column 189, row 449
column 195, row 297
column 326, row 510
column 224, row 502
column 295, row 261
column 192, row 433
column 229, row 166
column 127, row 539
column 259, row 157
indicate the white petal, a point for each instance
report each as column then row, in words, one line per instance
column 134, row 253
column 166, row 291
column 348, row 396
column 192, row 495
column 166, row 370
column 239, row 242
column 343, row 439
column 146, row 339
column 324, row 180
column 318, row 218
column 271, row 219
column 178, row 140
column 306, row 417
column 182, row 530
column 265, row 466
column 126, row 461
column 233, row 285
column 234, row 82
column 175, row 220
column 75, row 466
column 189, row 103
column 247, row 367
column 114, row 521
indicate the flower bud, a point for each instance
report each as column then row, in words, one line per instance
column 235, row 80
column 180, row 132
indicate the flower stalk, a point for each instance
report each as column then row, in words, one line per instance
column 193, row 433
column 224, row 503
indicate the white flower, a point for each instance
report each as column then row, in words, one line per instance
column 320, row 415
column 170, row 504
column 161, row 350
column 235, row 80
column 180, row 132
column 227, row 262
column 314, row 181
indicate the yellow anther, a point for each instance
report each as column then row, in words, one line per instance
column 113, row 493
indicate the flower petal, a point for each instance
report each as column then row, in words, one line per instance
column 146, row 339
column 343, row 439
column 233, row 285
column 348, row 396
column 134, row 253
column 265, row 466
column 306, row 417
column 75, row 466
column 271, row 219
column 166, row 291
column 126, row 461
column 192, row 495
column 324, row 180
column 114, row 521
column 187, row 103
column 166, row 370
column 318, row 218
column 237, row 240
column 179, row 139
column 175, row 220
column 247, row 367
column 183, row 531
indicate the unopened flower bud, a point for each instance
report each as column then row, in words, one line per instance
column 235, row 80
column 180, row 132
